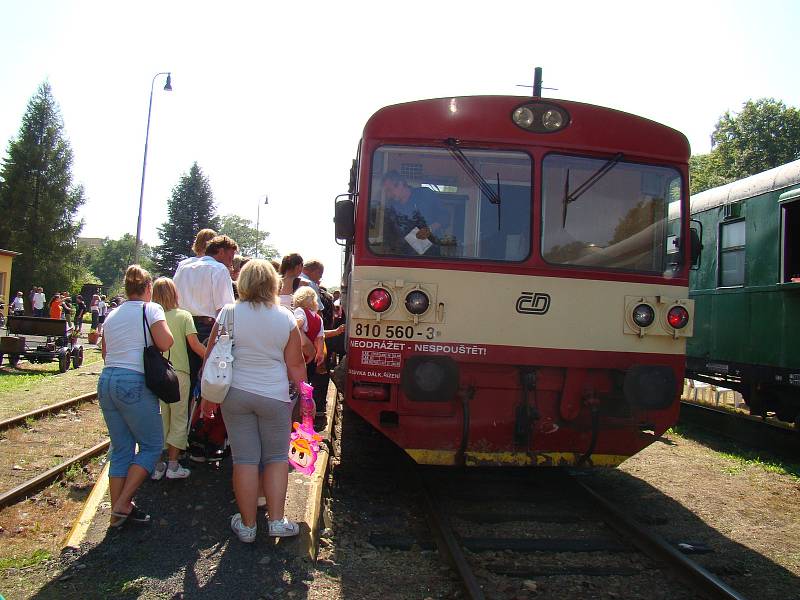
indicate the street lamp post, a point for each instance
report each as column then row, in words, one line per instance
column 168, row 88
column 258, row 218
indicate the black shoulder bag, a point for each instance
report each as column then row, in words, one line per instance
column 159, row 374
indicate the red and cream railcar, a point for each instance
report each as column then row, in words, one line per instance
column 543, row 321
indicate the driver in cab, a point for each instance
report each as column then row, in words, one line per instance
column 412, row 217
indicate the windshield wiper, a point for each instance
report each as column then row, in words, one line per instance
column 586, row 185
column 474, row 174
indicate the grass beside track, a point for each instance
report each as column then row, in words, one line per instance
column 20, row 562
column 34, row 528
column 28, row 374
column 738, row 456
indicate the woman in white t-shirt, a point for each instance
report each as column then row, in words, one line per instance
column 257, row 409
column 130, row 409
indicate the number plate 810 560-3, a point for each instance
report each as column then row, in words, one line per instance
column 399, row 332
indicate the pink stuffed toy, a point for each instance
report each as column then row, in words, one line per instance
column 304, row 441
column 307, row 407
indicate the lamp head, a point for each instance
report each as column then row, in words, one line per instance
column 168, row 85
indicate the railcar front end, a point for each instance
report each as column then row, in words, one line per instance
column 516, row 280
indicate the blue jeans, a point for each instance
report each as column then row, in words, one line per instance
column 131, row 412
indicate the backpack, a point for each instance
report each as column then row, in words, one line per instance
column 207, row 440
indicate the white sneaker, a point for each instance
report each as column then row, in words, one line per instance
column 243, row 532
column 180, row 473
column 283, row 528
column 158, row 471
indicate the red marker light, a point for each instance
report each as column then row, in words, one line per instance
column 379, row 300
column 678, row 317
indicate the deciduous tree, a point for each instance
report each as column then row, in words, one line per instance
column 251, row 242
column 38, row 200
column 109, row 261
column 763, row 135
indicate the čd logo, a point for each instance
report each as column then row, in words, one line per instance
column 530, row 303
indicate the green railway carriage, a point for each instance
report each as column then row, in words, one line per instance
column 747, row 290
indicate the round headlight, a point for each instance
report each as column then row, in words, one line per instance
column 644, row 315
column 429, row 376
column 552, row 119
column 379, row 300
column 417, row 302
column 523, row 116
column 677, row 317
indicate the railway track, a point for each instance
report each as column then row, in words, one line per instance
column 550, row 525
column 34, row 484
column 15, row 448
column 752, row 432
column 512, row 533
column 47, row 410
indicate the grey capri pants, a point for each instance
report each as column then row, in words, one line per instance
column 258, row 427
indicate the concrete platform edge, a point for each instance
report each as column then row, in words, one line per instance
column 306, row 546
column 310, row 545
column 84, row 520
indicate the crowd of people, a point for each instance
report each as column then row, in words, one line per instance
column 286, row 329
column 62, row 305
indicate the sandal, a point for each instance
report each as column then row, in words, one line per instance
column 121, row 518
column 138, row 516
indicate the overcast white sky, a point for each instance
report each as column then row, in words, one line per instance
column 271, row 98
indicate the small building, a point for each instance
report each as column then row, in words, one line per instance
column 89, row 242
column 6, row 258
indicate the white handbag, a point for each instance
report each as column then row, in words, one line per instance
column 217, row 372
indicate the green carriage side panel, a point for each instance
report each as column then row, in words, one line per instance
column 751, row 324
column 699, row 345
column 763, row 240
column 730, row 317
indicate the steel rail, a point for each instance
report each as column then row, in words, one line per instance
column 751, row 431
column 22, row 490
column 39, row 412
column 447, row 542
column 706, row 583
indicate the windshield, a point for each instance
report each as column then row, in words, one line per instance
column 628, row 218
column 423, row 203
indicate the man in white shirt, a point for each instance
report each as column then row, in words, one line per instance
column 18, row 305
column 204, row 287
column 199, row 247
column 39, row 300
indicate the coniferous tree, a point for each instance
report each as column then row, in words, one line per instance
column 190, row 209
column 38, row 201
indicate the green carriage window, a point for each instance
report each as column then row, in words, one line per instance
column 731, row 254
